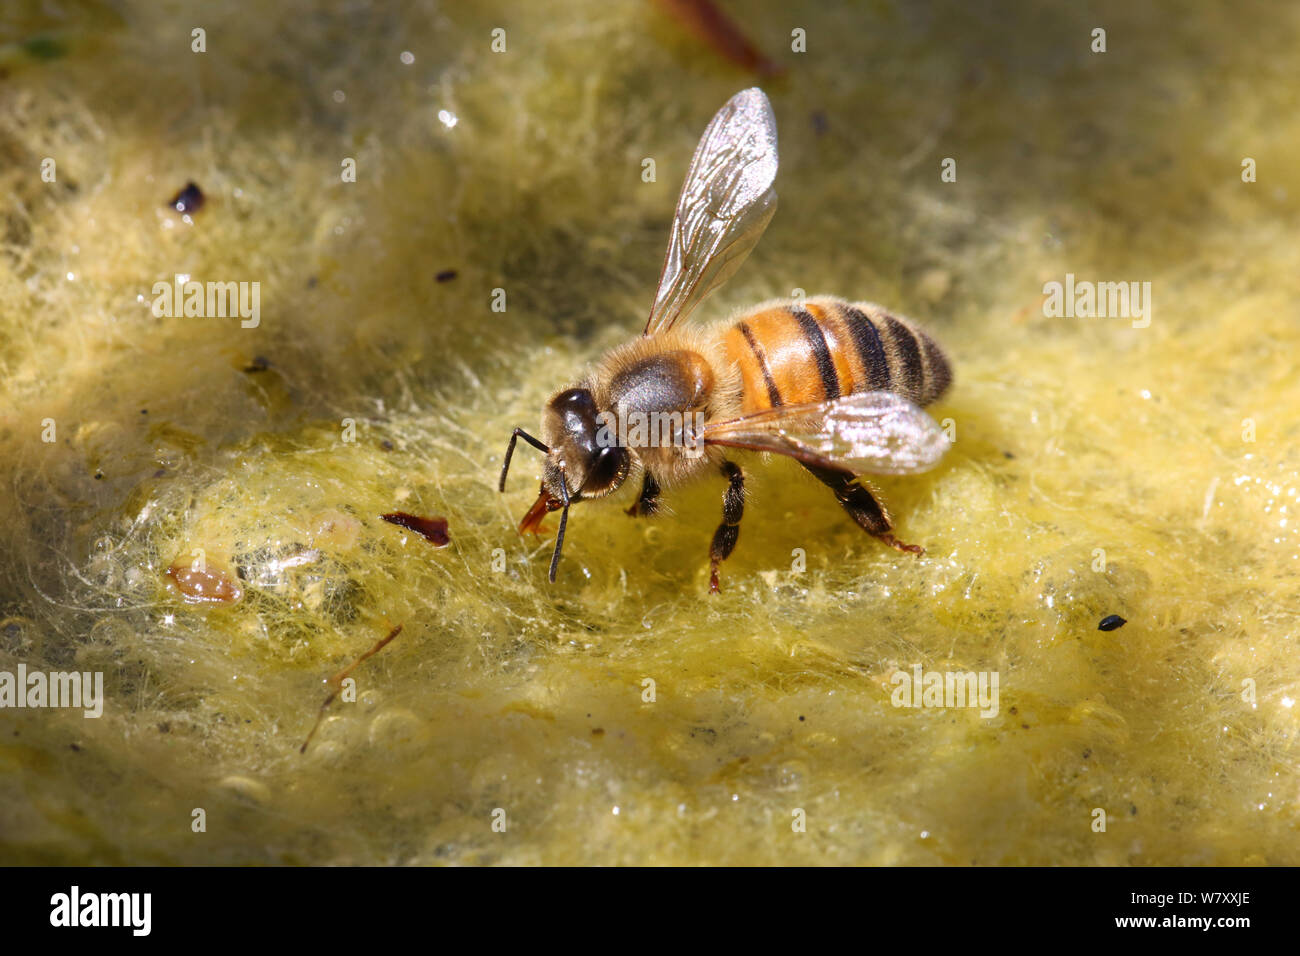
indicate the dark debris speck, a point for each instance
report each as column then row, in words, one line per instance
column 189, row 199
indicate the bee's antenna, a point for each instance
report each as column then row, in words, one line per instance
column 510, row 450
column 564, row 520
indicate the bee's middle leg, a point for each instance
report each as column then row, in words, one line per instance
column 648, row 501
column 862, row 505
column 733, row 507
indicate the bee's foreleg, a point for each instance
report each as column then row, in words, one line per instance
column 862, row 505
column 648, row 502
column 733, row 507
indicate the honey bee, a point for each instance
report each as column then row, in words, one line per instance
column 833, row 384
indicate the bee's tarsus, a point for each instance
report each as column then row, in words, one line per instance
column 897, row 545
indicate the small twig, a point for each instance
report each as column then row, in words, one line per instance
column 337, row 683
column 711, row 24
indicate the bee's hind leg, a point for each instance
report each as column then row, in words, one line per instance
column 862, row 505
column 733, row 507
column 648, row 501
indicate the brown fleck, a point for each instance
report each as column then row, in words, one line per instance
column 433, row 529
column 206, row 586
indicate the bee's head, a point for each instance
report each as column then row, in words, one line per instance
column 582, row 460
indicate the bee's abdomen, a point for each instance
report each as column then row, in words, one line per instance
column 793, row 353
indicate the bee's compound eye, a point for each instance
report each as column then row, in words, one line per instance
column 609, row 468
column 575, row 401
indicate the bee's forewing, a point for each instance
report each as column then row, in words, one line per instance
column 877, row 433
column 726, row 203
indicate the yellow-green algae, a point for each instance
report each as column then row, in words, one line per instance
column 504, row 692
